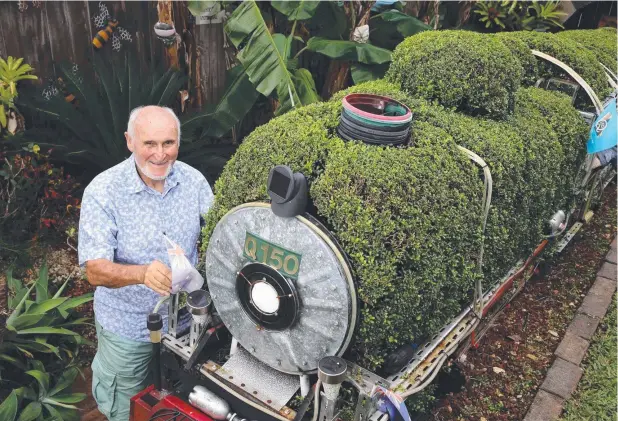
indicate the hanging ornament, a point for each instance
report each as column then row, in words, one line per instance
column 106, row 25
column 166, row 33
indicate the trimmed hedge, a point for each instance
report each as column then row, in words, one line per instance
column 409, row 219
column 467, row 71
column 576, row 56
column 520, row 50
column 601, row 42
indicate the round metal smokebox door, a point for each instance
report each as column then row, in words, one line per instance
column 281, row 286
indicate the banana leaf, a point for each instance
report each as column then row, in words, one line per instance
column 349, row 51
column 305, row 86
column 237, row 100
column 366, row 72
column 296, row 10
column 259, row 55
column 406, row 25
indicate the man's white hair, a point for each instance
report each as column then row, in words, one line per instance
column 135, row 112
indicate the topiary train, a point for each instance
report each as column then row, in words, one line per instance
column 409, row 219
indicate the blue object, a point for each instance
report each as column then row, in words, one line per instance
column 391, row 403
column 381, row 5
column 604, row 131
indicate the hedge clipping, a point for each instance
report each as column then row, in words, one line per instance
column 466, row 71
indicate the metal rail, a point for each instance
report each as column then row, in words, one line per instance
column 432, row 354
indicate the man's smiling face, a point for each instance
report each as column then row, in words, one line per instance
column 154, row 142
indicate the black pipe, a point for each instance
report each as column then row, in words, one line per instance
column 155, row 324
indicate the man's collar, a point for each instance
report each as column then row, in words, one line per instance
column 135, row 184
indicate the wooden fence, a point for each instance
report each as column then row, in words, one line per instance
column 45, row 33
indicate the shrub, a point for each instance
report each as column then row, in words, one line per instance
column 36, row 200
column 601, row 42
column 468, row 71
column 520, row 50
column 579, row 58
column 393, row 195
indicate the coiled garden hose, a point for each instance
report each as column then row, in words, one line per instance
column 375, row 120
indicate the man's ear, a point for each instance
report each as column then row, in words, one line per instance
column 130, row 145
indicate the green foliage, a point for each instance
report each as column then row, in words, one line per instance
column 532, row 158
column 520, row 51
column 40, row 327
column 92, row 131
column 542, row 16
column 36, row 346
column 11, row 72
column 265, row 62
column 467, row 71
column 40, row 401
column 35, row 198
column 579, row 58
column 406, row 274
column 601, row 42
column 595, row 397
column 519, row 15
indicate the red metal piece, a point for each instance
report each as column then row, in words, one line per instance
column 509, row 283
column 142, row 410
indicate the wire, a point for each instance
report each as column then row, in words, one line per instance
column 316, row 400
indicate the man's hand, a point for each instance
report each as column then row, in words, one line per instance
column 158, row 278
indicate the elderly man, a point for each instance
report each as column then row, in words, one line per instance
column 125, row 211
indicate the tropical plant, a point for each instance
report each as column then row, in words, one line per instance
column 519, row 15
column 90, row 130
column 11, row 71
column 39, row 326
column 495, row 13
column 269, row 60
column 39, row 400
column 542, row 16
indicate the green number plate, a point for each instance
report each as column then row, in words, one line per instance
column 261, row 251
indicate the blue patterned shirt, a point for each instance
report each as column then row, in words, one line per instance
column 122, row 220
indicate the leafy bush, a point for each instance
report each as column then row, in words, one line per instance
column 579, row 58
column 520, row 50
column 601, row 42
column 36, row 200
column 37, row 343
column 405, row 276
column 470, row 72
column 40, row 401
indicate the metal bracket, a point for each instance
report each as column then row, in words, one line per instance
column 172, row 321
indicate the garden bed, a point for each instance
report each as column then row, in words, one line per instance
column 503, row 374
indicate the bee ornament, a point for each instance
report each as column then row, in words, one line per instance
column 108, row 29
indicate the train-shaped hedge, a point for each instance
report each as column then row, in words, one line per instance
column 410, row 218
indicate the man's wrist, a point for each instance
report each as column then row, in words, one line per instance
column 141, row 277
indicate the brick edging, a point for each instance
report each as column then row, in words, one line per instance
column 565, row 372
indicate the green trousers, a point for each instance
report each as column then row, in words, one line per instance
column 120, row 369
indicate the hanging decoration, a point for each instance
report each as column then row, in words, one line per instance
column 54, row 87
column 166, row 33
column 22, row 5
column 108, row 28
